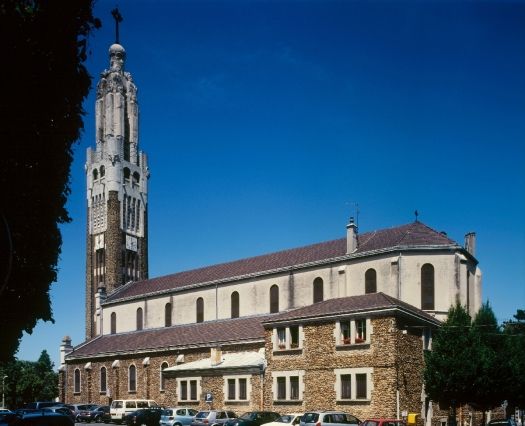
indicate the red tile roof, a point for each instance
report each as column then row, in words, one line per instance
column 415, row 234
column 344, row 305
column 237, row 330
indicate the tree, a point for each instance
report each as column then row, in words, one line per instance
column 492, row 367
column 30, row 381
column 514, row 331
column 449, row 373
column 44, row 83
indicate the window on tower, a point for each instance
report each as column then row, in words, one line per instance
column 200, row 309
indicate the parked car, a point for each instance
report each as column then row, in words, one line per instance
column 40, row 418
column 286, row 419
column 61, row 409
column 212, row 417
column 328, row 418
column 502, row 422
column 94, row 414
column 177, row 416
column 253, row 418
column 144, row 416
column 77, row 408
column 120, row 408
column 383, row 422
column 37, row 405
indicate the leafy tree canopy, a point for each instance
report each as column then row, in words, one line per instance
column 29, row 381
column 44, row 82
column 514, row 351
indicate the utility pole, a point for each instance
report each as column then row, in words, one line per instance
column 3, row 391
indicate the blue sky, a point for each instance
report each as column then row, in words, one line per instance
column 266, row 121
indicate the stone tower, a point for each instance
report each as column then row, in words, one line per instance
column 117, row 192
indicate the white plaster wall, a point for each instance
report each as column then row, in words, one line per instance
column 297, row 290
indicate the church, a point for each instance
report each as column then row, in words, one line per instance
column 340, row 324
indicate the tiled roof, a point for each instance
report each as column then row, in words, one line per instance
column 345, row 305
column 189, row 335
column 239, row 330
column 411, row 235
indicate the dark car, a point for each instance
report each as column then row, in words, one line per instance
column 253, row 418
column 94, row 414
column 45, row 419
column 144, row 416
column 61, row 409
column 502, row 422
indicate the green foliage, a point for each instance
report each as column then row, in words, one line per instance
column 449, row 374
column 44, row 83
column 472, row 362
column 29, row 381
column 514, row 351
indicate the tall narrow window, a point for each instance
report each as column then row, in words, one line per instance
column 140, row 319
column 167, row 315
column 294, row 387
column 162, row 378
column 370, row 281
column 274, row 299
column 235, row 304
column 360, row 386
column 346, row 386
column 200, row 309
column 183, row 391
column 243, row 394
column 427, row 286
column 281, row 387
column 103, row 380
column 318, row 290
column 113, row 323
column 193, row 390
column 102, row 171
column 231, row 389
column 132, row 378
column 76, row 381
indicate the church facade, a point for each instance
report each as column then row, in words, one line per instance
column 341, row 324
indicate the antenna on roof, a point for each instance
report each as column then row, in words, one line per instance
column 416, row 213
column 118, row 18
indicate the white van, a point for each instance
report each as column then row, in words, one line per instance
column 120, row 408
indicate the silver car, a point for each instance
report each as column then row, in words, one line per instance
column 212, row 417
column 177, row 416
column 328, row 418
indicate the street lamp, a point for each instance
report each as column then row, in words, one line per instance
column 3, row 391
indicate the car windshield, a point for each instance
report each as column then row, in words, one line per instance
column 310, row 417
column 285, row 419
column 250, row 415
column 202, row 414
column 167, row 412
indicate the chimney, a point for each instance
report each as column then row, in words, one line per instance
column 216, row 356
column 65, row 348
column 470, row 243
column 351, row 236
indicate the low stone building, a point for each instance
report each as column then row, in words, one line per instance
column 362, row 354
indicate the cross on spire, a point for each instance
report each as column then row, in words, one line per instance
column 118, row 18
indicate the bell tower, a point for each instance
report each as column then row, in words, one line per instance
column 117, row 190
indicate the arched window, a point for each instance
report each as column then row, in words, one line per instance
column 132, row 378
column 200, row 309
column 136, row 178
column 127, row 174
column 167, row 315
column 235, row 304
column 103, row 380
column 140, row 319
column 370, row 281
column 113, row 323
column 95, row 174
column 102, row 171
column 162, row 378
column 76, row 381
column 427, row 286
column 274, row 299
column 318, row 290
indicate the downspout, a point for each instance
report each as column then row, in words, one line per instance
column 399, row 279
column 261, row 375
